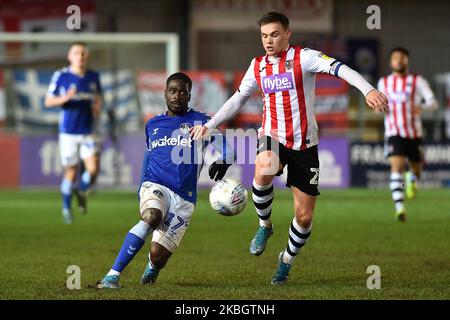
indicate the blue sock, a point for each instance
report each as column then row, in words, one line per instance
column 85, row 181
column 133, row 242
column 66, row 191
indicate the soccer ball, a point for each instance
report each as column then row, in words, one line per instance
column 228, row 197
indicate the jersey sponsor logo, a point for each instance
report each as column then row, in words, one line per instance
column 278, row 82
column 83, row 96
column 184, row 127
column 155, row 131
column 399, row 97
column 172, row 141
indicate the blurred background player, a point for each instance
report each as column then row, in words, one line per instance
column 289, row 133
column 168, row 190
column 409, row 94
column 77, row 91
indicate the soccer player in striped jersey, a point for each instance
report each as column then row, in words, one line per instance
column 409, row 94
column 289, row 134
column 78, row 92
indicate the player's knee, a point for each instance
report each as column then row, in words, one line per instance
column 263, row 180
column 158, row 257
column 152, row 217
column 267, row 161
column 397, row 165
column 263, row 177
column 303, row 217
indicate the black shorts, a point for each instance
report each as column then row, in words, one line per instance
column 410, row 148
column 302, row 166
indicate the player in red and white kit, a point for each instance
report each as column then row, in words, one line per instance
column 289, row 134
column 409, row 94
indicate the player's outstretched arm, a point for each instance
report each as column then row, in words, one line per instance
column 226, row 113
column 374, row 98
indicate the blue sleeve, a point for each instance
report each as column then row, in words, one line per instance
column 146, row 135
column 53, row 88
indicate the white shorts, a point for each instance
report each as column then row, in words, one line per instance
column 177, row 213
column 72, row 147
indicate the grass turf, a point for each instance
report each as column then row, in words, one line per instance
column 352, row 230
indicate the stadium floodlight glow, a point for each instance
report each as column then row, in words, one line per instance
column 170, row 40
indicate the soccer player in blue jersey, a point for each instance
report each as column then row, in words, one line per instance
column 78, row 92
column 169, row 176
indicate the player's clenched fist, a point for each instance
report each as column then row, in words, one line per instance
column 377, row 101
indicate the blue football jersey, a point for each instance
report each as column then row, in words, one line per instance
column 174, row 160
column 76, row 115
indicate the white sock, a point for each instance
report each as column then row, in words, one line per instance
column 397, row 186
column 113, row 273
column 265, row 223
column 262, row 199
column 297, row 239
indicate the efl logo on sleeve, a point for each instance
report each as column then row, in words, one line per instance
column 323, row 56
column 278, row 82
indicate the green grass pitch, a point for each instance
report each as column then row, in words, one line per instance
column 353, row 229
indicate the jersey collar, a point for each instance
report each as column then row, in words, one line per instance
column 279, row 57
column 188, row 110
column 400, row 76
column 76, row 74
